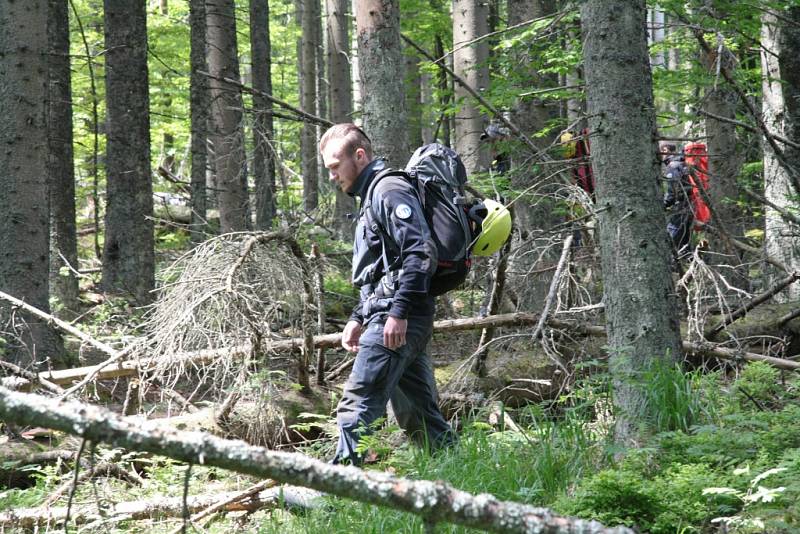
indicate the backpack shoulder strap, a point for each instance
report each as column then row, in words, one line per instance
column 385, row 179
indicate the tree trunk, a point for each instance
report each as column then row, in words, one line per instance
column 531, row 114
column 381, row 66
column 128, row 251
column 781, row 112
column 638, row 289
column 340, row 85
column 227, row 134
column 413, row 97
column 724, row 160
column 323, row 87
column 263, row 128
column 24, row 210
column 308, row 102
column 199, row 102
column 470, row 21
column 574, row 77
column 428, row 114
column 442, row 130
column 63, row 240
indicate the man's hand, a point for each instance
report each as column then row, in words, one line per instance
column 350, row 336
column 394, row 332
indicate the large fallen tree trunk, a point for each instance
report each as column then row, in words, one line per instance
column 435, row 501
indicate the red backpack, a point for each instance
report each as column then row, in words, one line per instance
column 696, row 156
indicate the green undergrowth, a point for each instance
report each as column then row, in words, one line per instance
column 700, row 477
column 720, row 452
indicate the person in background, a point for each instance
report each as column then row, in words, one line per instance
column 496, row 136
column 677, row 199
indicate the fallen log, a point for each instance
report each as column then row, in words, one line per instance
column 133, row 367
column 700, row 348
column 224, row 501
column 434, row 501
column 759, row 299
column 29, row 518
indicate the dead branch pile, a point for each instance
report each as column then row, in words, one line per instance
column 237, row 290
column 229, row 291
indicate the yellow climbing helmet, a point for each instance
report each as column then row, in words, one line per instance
column 495, row 229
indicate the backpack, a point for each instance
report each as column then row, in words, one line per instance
column 580, row 150
column 437, row 175
column 696, row 157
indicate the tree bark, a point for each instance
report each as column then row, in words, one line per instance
column 381, row 66
column 470, row 21
column 24, row 210
column 724, row 155
column 531, row 114
column 61, row 175
column 128, row 250
column 263, row 127
column 227, row 134
column 641, row 317
column 308, row 102
column 413, row 92
column 340, row 97
column 199, row 100
column 781, row 112
column 435, row 501
column 442, row 130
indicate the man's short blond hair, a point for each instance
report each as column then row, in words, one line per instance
column 353, row 136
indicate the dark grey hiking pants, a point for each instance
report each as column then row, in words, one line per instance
column 403, row 376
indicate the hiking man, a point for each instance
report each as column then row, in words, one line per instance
column 496, row 137
column 678, row 201
column 392, row 324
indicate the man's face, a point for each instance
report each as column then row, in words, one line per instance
column 344, row 167
column 665, row 152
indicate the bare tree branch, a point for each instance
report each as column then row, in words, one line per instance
column 759, row 299
column 303, row 115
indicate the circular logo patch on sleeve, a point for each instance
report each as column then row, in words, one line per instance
column 403, row 211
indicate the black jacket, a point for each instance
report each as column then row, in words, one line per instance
column 395, row 216
column 679, row 186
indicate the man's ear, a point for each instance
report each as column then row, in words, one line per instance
column 360, row 154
